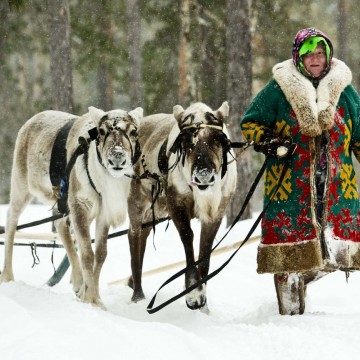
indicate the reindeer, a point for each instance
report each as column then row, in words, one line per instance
column 98, row 182
column 188, row 159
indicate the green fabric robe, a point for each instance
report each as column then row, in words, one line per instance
column 292, row 239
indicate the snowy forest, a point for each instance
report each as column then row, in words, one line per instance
column 72, row 54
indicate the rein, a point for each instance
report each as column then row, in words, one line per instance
column 151, row 310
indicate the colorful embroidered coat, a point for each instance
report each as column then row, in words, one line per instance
column 292, row 238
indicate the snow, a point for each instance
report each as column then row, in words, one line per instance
column 39, row 322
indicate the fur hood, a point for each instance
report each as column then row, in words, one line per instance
column 314, row 107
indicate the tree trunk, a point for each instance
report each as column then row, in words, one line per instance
column 105, row 90
column 343, row 10
column 187, row 91
column 6, row 145
column 60, row 55
column 136, row 88
column 105, row 97
column 4, row 12
column 239, row 85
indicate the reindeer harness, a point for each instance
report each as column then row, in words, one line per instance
column 60, row 170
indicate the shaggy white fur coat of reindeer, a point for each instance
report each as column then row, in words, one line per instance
column 194, row 185
column 97, row 186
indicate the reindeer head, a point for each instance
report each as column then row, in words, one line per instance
column 116, row 135
column 202, row 144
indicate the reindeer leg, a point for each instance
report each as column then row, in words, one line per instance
column 81, row 223
column 63, row 229
column 208, row 233
column 196, row 298
column 102, row 230
column 137, row 243
column 137, row 237
column 18, row 201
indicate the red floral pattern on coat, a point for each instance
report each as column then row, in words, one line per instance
column 281, row 229
column 304, row 195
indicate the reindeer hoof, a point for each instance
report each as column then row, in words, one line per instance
column 85, row 295
column 197, row 304
column 4, row 277
column 137, row 296
column 98, row 303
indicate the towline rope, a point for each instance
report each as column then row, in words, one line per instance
column 110, row 236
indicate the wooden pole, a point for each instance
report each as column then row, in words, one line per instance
column 175, row 265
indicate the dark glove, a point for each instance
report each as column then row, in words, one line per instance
column 271, row 145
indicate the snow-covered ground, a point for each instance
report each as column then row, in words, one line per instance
column 38, row 322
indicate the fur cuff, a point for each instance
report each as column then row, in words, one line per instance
column 315, row 108
column 289, row 257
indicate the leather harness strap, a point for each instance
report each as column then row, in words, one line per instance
column 58, row 154
column 60, row 170
column 58, row 165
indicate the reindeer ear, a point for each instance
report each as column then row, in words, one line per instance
column 223, row 110
column 96, row 114
column 137, row 114
column 178, row 110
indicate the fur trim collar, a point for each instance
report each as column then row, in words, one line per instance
column 314, row 107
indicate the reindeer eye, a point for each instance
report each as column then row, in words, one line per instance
column 190, row 117
column 102, row 131
column 133, row 133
